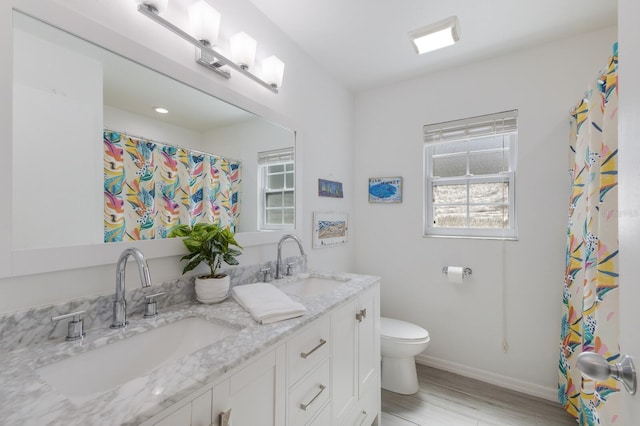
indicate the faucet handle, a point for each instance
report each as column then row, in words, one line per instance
column 266, row 273
column 290, row 266
column 151, row 307
column 75, row 327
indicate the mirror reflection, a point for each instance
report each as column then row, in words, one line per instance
column 94, row 160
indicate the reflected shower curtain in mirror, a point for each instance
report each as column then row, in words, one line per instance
column 150, row 188
column 590, row 295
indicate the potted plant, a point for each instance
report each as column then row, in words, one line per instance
column 210, row 244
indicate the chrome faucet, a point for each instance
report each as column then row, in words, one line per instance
column 279, row 259
column 120, row 303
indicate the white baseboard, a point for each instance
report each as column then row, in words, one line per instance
column 493, row 378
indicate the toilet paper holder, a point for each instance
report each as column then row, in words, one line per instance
column 466, row 271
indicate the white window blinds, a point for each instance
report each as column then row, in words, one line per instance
column 475, row 127
column 277, row 156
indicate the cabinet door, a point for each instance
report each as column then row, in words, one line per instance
column 257, row 392
column 368, row 350
column 181, row 417
column 344, row 358
column 194, row 413
column 201, row 410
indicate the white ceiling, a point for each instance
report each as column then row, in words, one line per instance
column 364, row 43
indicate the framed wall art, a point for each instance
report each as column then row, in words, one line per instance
column 329, row 229
column 329, row 188
column 385, row 189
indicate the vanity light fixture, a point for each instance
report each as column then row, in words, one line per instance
column 435, row 36
column 204, row 41
column 158, row 6
column 160, row 110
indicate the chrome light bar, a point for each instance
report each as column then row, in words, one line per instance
column 205, row 55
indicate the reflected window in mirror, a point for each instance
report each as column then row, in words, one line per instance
column 277, row 183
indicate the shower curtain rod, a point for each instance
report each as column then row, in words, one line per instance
column 170, row 144
column 585, row 94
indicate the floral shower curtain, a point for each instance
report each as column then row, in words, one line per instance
column 590, row 296
column 150, row 188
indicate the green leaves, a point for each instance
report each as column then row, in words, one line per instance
column 208, row 243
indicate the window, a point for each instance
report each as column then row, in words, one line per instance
column 276, row 176
column 470, row 168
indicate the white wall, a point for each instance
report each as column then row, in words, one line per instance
column 629, row 191
column 243, row 141
column 58, row 111
column 465, row 321
column 310, row 102
column 137, row 125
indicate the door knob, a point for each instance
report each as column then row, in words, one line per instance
column 594, row 365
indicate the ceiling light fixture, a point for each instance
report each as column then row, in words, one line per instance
column 205, row 22
column 435, row 36
column 160, row 110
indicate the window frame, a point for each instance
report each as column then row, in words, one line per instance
column 509, row 176
column 264, row 191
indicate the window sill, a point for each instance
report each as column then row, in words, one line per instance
column 470, row 237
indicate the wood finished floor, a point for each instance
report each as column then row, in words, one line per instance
column 447, row 399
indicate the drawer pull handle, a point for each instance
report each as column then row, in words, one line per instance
column 363, row 419
column 304, row 407
column 305, row 355
column 361, row 315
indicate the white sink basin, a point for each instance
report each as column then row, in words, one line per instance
column 82, row 376
column 312, row 286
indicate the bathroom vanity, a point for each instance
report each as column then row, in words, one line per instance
column 319, row 369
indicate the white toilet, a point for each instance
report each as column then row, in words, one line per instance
column 400, row 342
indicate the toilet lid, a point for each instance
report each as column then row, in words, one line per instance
column 394, row 329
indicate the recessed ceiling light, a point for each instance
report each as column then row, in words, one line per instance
column 435, row 36
column 161, row 110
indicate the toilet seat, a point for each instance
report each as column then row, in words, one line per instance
column 401, row 331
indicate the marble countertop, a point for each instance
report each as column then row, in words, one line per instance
column 26, row 398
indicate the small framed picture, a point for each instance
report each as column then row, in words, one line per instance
column 329, row 229
column 329, row 188
column 385, row 189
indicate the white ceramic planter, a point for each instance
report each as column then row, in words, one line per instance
column 212, row 290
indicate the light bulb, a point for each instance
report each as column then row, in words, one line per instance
column 273, row 71
column 205, row 21
column 243, row 49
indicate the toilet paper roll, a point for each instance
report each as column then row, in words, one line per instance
column 455, row 274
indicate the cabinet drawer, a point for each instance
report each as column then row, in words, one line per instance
column 322, row 419
column 308, row 348
column 309, row 395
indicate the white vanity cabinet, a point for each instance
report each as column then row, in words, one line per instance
column 356, row 360
column 327, row 373
column 253, row 395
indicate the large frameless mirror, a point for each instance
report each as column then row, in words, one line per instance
column 94, row 161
